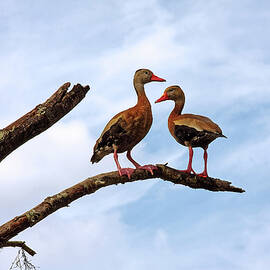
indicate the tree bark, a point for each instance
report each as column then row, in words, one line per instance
column 92, row 184
column 40, row 118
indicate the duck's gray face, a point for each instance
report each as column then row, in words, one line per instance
column 145, row 76
column 172, row 93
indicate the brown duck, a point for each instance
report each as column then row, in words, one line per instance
column 190, row 130
column 129, row 127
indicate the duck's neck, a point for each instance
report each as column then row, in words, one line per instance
column 142, row 98
column 178, row 107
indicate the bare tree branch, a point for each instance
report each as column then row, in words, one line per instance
column 92, row 184
column 20, row 244
column 40, row 118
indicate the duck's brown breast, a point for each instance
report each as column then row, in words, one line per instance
column 138, row 121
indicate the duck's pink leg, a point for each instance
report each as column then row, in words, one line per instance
column 149, row 167
column 189, row 168
column 204, row 173
column 122, row 171
column 137, row 165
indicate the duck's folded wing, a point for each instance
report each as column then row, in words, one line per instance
column 198, row 122
column 114, row 134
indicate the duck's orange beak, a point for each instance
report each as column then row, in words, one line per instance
column 155, row 78
column 162, row 98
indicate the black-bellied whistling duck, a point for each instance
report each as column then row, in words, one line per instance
column 128, row 127
column 189, row 129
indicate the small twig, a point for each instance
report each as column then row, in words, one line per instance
column 20, row 244
column 92, row 184
column 22, row 262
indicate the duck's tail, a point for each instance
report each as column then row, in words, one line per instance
column 221, row 135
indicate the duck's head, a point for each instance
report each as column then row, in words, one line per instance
column 143, row 76
column 173, row 92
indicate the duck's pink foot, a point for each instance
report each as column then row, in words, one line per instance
column 150, row 168
column 203, row 174
column 187, row 171
column 126, row 171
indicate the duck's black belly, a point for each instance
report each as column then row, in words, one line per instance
column 189, row 136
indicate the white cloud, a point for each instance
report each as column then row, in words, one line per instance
column 153, row 50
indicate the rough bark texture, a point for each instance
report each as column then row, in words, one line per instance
column 40, row 118
column 92, row 184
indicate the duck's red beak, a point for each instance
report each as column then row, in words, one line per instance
column 155, row 78
column 162, row 98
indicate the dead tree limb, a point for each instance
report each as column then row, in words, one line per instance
column 92, row 184
column 40, row 118
column 20, row 244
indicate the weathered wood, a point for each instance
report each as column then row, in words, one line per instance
column 20, row 244
column 40, row 118
column 92, row 184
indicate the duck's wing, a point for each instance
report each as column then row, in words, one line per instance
column 198, row 122
column 114, row 133
column 195, row 130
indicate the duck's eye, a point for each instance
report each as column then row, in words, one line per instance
column 170, row 90
column 146, row 72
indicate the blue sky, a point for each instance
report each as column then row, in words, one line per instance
column 217, row 51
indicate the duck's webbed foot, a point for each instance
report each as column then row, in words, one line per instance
column 126, row 171
column 203, row 174
column 150, row 168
